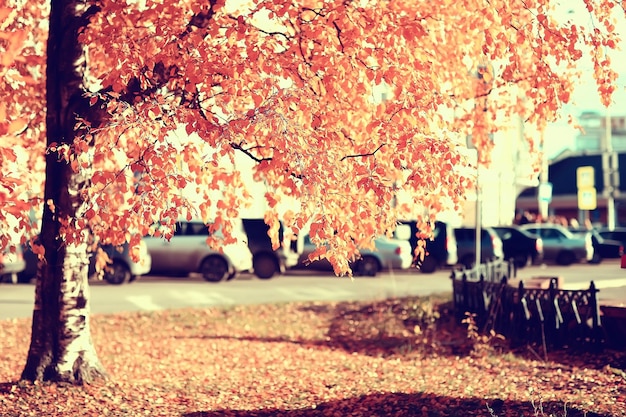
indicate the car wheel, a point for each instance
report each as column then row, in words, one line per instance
column 565, row 258
column 522, row 260
column 117, row 273
column 264, row 266
column 429, row 265
column 596, row 259
column 367, row 266
column 214, row 269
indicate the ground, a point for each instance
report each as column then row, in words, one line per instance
column 400, row 357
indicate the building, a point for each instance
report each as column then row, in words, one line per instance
column 594, row 135
column 603, row 154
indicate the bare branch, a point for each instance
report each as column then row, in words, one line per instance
column 237, row 146
column 363, row 154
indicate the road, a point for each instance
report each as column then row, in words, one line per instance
column 158, row 293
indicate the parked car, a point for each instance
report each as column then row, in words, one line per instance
column 390, row 253
column 266, row 261
column 187, row 252
column 520, row 246
column 120, row 270
column 441, row 248
column 617, row 233
column 560, row 245
column 11, row 264
column 603, row 248
column 490, row 245
column 123, row 268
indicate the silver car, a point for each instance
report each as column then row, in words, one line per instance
column 11, row 264
column 389, row 254
column 188, row 252
column 121, row 267
column 561, row 246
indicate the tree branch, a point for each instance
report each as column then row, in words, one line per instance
column 363, row 154
column 237, row 146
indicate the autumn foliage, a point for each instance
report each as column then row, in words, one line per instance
column 342, row 107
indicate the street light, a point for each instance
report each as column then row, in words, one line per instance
column 610, row 171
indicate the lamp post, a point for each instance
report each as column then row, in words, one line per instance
column 484, row 74
column 479, row 211
column 610, row 171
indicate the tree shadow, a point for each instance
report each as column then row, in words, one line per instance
column 405, row 327
column 391, row 327
column 430, row 325
column 419, row 404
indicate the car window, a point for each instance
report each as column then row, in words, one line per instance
column 505, row 234
column 617, row 235
column 460, row 234
column 534, row 231
column 550, row 233
column 191, row 229
column 197, row 229
column 555, row 234
column 469, row 235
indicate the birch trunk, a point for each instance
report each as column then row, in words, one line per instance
column 61, row 348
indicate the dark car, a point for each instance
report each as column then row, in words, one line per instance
column 603, row 248
column 441, row 248
column 617, row 233
column 520, row 246
column 266, row 261
column 490, row 245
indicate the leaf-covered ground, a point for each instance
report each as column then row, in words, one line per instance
column 386, row 358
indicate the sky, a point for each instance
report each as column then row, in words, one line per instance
column 560, row 136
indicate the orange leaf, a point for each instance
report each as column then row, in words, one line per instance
column 17, row 125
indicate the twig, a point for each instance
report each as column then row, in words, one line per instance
column 363, row 154
column 534, row 353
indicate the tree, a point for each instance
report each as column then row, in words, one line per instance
column 148, row 104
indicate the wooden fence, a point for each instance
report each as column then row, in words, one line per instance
column 549, row 317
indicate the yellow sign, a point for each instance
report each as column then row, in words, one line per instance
column 585, row 177
column 587, row 198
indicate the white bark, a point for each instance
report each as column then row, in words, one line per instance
column 75, row 345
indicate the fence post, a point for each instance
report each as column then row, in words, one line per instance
column 512, row 269
column 465, row 296
column 455, row 291
column 521, row 314
column 555, row 333
column 595, row 320
column 481, row 308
